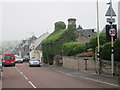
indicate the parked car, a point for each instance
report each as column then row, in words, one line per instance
column 1, row 68
column 26, row 59
column 34, row 62
column 19, row 59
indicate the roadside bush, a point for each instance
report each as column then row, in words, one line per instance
column 117, row 50
column 106, row 51
column 73, row 48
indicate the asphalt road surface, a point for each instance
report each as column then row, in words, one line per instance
column 23, row 76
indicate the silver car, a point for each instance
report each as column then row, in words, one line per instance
column 34, row 62
column 19, row 59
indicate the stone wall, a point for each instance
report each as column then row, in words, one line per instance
column 75, row 63
column 106, row 67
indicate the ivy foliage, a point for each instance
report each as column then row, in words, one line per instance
column 73, row 48
column 52, row 45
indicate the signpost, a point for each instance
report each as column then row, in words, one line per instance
column 112, row 33
column 110, row 21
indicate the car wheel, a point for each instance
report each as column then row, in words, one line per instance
column 39, row 65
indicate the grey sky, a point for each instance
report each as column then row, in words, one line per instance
column 20, row 19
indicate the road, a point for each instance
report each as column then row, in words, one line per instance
column 23, row 76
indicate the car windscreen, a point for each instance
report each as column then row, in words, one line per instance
column 33, row 60
column 9, row 57
column 26, row 56
column 18, row 58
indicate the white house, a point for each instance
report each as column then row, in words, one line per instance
column 36, row 44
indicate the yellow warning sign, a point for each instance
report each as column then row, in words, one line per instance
column 36, row 51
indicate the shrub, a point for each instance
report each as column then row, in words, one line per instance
column 117, row 50
column 106, row 51
column 73, row 48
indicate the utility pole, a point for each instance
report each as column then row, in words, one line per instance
column 98, row 42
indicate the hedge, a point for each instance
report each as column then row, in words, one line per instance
column 106, row 51
column 73, row 48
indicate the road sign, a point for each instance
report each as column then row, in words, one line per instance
column 110, row 20
column 112, row 32
column 110, row 11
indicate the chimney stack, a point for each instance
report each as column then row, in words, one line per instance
column 72, row 21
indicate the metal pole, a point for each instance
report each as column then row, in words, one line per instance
column 98, row 51
column 112, row 49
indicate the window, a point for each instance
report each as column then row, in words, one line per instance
column 9, row 57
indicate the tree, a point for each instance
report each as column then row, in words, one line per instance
column 60, row 25
column 93, row 41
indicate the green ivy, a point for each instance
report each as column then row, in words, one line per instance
column 52, row 45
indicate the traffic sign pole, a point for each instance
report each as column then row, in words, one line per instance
column 112, row 49
column 112, row 57
column 112, row 33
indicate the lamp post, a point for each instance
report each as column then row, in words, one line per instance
column 98, row 64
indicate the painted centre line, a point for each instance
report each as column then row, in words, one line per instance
column 26, row 78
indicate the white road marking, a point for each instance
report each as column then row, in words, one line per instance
column 100, row 81
column 32, row 84
column 65, row 73
column 17, row 69
column 26, row 78
column 21, row 73
column 93, row 79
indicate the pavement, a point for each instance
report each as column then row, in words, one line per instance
column 88, row 75
column 0, row 81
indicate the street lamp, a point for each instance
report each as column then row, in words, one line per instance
column 98, row 63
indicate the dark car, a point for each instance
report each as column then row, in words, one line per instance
column 26, row 59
